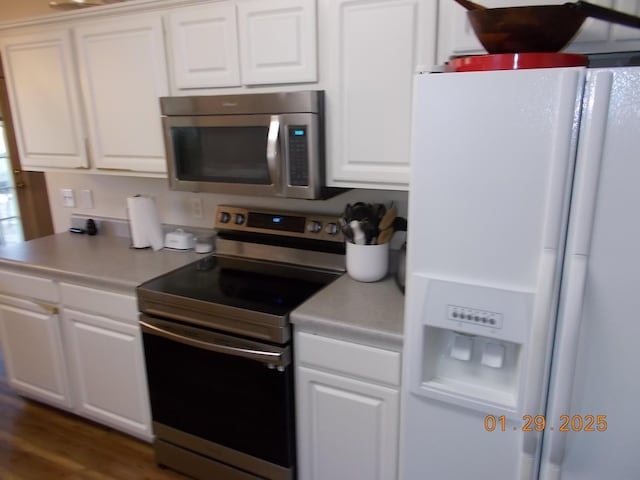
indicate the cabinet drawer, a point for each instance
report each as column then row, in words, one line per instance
column 108, row 304
column 28, row 286
column 353, row 359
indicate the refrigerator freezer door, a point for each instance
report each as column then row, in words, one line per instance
column 491, row 173
column 595, row 387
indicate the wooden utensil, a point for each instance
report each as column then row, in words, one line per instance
column 387, row 219
column 385, row 235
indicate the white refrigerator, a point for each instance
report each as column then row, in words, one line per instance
column 522, row 323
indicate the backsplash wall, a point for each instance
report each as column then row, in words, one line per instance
column 110, row 199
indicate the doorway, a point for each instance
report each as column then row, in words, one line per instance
column 10, row 224
column 24, row 204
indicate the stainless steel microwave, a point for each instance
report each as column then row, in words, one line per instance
column 251, row 144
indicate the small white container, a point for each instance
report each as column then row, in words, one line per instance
column 367, row 263
column 179, row 240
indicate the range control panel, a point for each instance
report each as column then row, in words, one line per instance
column 291, row 224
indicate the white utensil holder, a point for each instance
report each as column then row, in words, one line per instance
column 367, row 263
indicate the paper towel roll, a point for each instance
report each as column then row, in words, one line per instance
column 144, row 222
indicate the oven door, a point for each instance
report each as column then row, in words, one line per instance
column 271, row 155
column 226, row 398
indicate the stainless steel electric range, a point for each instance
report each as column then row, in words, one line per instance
column 218, row 344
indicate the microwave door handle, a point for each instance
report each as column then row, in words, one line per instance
column 273, row 138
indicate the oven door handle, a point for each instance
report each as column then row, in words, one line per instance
column 217, row 343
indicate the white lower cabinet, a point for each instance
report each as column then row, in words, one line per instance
column 107, row 369
column 347, row 403
column 103, row 347
column 88, row 359
column 33, row 351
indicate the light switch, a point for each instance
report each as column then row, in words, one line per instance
column 68, row 197
column 493, row 355
column 461, row 347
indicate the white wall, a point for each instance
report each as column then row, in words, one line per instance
column 16, row 9
column 110, row 199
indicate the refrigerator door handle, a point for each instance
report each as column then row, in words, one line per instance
column 560, row 397
column 542, row 318
column 538, row 340
column 578, row 246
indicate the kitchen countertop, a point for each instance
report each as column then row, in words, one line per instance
column 366, row 313
column 100, row 260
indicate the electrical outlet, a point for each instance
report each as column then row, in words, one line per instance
column 196, row 208
column 85, row 199
column 68, row 197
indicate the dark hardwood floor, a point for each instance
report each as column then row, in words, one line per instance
column 42, row 443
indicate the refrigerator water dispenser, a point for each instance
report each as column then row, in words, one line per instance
column 473, row 342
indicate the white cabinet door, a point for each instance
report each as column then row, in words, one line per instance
column 45, row 99
column 347, row 428
column 204, row 46
column 107, row 365
column 123, row 73
column 278, row 41
column 32, row 346
column 374, row 49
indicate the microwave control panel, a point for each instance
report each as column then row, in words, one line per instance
column 298, row 155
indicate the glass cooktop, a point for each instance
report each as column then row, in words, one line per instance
column 255, row 285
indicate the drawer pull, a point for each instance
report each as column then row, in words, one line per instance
column 52, row 309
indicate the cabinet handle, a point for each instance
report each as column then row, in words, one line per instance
column 52, row 309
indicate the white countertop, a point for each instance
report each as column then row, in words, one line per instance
column 100, row 260
column 368, row 313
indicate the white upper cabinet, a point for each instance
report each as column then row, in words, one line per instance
column 204, row 46
column 277, row 41
column 45, row 99
column 123, row 72
column 242, row 42
column 456, row 36
column 372, row 50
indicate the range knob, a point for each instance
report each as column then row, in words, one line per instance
column 224, row 217
column 314, row 226
column 239, row 219
column 331, row 229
